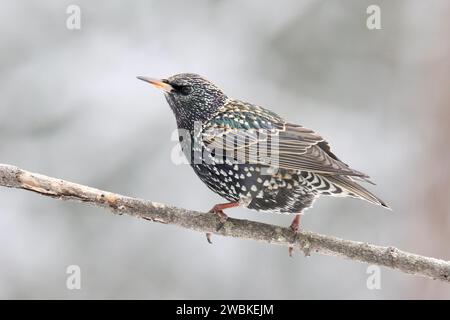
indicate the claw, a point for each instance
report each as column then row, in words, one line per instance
column 208, row 237
column 218, row 210
column 291, row 249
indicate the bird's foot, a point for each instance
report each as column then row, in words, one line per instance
column 218, row 210
column 222, row 215
column 295, row 226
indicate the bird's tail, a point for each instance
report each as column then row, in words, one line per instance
column 355, row 190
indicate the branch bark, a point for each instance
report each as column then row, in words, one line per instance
column 308, row 242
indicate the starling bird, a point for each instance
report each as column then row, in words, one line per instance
column 251, row 156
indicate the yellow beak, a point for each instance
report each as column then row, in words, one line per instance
column 158, row 83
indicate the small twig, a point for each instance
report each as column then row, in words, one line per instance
column 308, row 242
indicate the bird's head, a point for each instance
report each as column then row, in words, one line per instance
column 191, row 97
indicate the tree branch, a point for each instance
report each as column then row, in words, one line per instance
column 13, row 177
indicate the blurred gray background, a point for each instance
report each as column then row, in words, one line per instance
column 71, row 107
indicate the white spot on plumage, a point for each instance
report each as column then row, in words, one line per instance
column 316, row 179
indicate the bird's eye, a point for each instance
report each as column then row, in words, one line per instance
column 184, row 90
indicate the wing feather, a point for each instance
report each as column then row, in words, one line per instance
column 277, row 143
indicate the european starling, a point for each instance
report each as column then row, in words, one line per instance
column 251, row 156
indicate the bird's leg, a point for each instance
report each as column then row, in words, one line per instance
column 218, row 210
column 295, row 226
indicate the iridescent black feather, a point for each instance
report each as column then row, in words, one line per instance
column 286, row 178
